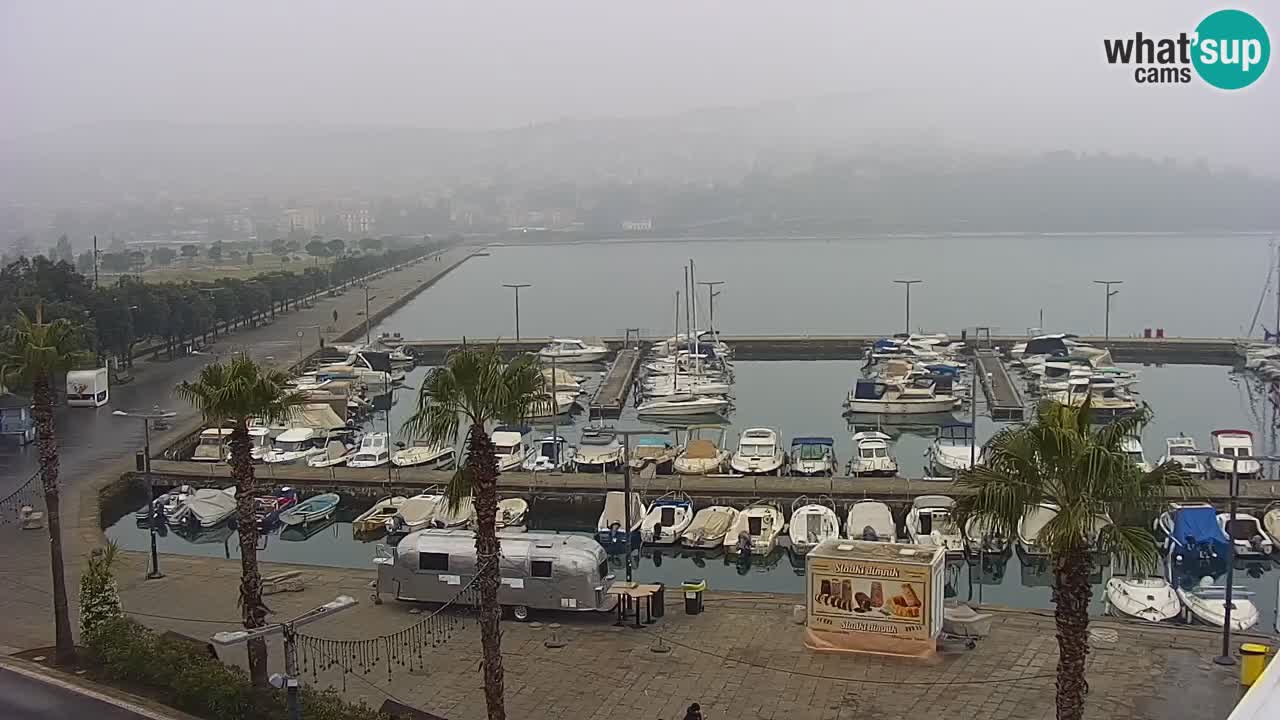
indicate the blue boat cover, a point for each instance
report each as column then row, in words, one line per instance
column 885, row 344
column 943, row 370
column 812, row 441
column 651, row 441
column 868, row 390
column 1198, row 524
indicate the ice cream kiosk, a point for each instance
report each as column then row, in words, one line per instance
column 874, row 597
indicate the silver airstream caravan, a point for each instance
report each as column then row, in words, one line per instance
column 540, row 571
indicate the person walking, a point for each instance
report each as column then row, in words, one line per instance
column 693, row 713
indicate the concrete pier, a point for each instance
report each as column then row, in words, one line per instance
column 1004, row 401
column 611, row 396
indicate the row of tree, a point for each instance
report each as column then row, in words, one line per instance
column 114, row 318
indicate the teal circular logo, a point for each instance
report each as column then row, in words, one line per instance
column 1232, row 49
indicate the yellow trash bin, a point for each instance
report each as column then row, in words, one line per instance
column 1253, row 660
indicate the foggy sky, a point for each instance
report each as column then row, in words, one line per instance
column 1029, row 73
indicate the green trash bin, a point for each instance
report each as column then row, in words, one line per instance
column 693, row 590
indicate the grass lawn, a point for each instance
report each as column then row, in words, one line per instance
column 202, row 272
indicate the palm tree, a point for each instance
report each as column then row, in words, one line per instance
column 1063, row 459
column 34, row 354
column 476, row 387
column 233, row 393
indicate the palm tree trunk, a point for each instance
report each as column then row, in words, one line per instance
column 483, row 467
column 1071, row 596
column 252, row 609
column 42, row 412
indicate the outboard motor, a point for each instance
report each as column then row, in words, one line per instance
column 744, row 543
column 869, row 534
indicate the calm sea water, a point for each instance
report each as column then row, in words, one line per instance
column 1206, row 286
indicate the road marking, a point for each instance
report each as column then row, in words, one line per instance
column 80, row 690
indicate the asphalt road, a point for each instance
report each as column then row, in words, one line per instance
column 27, row 698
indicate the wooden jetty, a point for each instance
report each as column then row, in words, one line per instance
column 611, row 396
column 1004, row 400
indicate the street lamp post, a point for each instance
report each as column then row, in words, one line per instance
column 153, row 572
column 908, row 284
column 1106, row 328
column 711, row 303
column 516, row 287
column 626, row 482
column 367, row 321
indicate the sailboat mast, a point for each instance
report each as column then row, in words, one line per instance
column 675, row 354
column 693, row 299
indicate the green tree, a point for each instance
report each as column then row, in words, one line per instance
column 99, row 596
column 215, row 252
column 233, row 393
column 318, row 249
column 336, row 247
column 190, row 252
column 84, row 262
column 63, row 251
column 370, row 244
column 34, row 353
column 115, row 262
column 1061, row 459
column 477, row 386
column 163, row 255
column 248, row 258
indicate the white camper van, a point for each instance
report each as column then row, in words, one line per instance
column 88, row 388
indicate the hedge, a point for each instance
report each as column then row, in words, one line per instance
column 180, row 675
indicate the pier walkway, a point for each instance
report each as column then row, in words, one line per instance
column 611, row 396
column 1004, row 400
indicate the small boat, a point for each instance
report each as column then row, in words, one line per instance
column 929, row 522
column 400, row 358
column 953, row 450
column 553, row 453
column 683, row 406
column 701, row 455
column 313, row 509
column 812, row 456
column 668, row 517
column 561, row 381
column 1193, row 541
column 758, row 453
column 1179, row 449
column 572, row 350
column 259, row 442
column 414, row 514
column 544, row 407
column 450, row 517
column 513, row 514
column 907, row 398
column 267, row 508
column 336, row 452
column 811, row 523
column 756, row 530
column 1033, row 522
column 1271, row 522
column 1238, row 443
column 374, row 520
column 872, row 521
column 656, row 451
column 212, row 445
column 613, row 519
column 508, row 447
column 373, row 452
column 1246, row 534
column 1131, row 446
column 1142, row 597
column 1207, row 603
column 598, row 449
column 981, row 538
column 709, row 527
column 423, row 454
column 295, row 445
column 205, row 508
column 165, row 504
column 871, row 456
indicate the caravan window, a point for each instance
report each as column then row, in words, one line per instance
column 604, row 569
column 541, row 568
column 433, row 561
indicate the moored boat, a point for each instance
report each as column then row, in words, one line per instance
column 872, row 521
column 423, row 453
column 758, row 453
column 756, row 530
column 811, row 523
column 312, row 510
column 374, row 520
column 871, row 456
column 668, row 517
column 709, row 527
column 812, row 456
column 1142, row 597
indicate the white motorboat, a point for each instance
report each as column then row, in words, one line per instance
column 756, row 530
column 572, row 350
column 212, row 445
column 259, row 442
column 812, row 456
column 1033, row 522
column 373, row 452
column 400, row 358
column 1142, row 597
column 415, row 513
column 668, row 517
column 513, row 514
column 613, row 519
column 561, row 380
column 953, row 450
column 709, row 526
column 872, row 521
column 451, row 517
column 424, row 454
column 1179, row 449
column 508, row 447
column 1271, row 523
column 667, row 388
column 875, row 397
column 929, row 522
column 598, row 449
column 871, row 457
column 544, row 407
column 1238, row 443
column 981, row 537
column 1246, row 533
column 375, row 518
column 295, row 445
column 335, row 452
column 1131, row 446
column 701, row 455
column 811, row 523
column 1206, row 603
column 758, row 453
column 165, row 504
column 206, row 507
column 552, row 453
column 683, row 406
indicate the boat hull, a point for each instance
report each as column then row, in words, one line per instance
column 900, row 407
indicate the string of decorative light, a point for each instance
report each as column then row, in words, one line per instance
column 403, row 648
column 29, row 493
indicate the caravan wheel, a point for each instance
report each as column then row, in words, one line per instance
column 520, row 613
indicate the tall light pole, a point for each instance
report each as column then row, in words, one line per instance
column 1106, row 329
column 367, row 320
column 153, row 573
column 626, row 482
column 908, row 284
column 711, row 303
column 516, row 287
